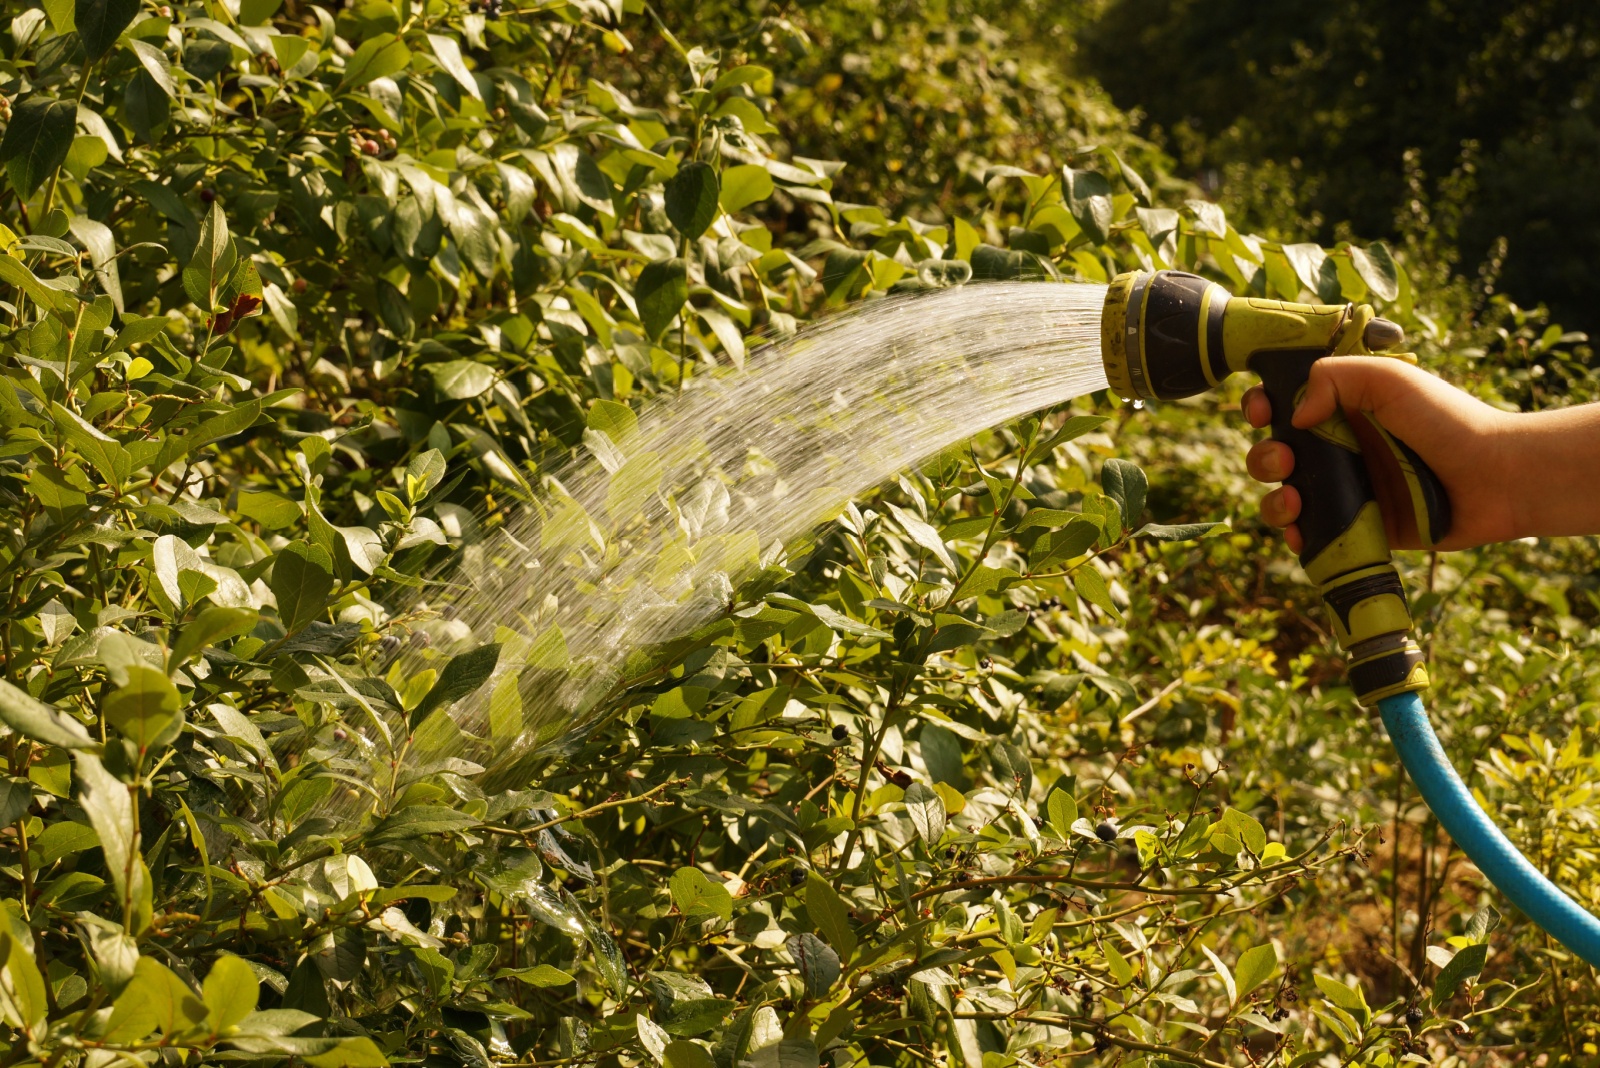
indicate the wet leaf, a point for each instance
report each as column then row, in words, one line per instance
column 691, row 197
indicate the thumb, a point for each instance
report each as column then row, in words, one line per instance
column 1348, row 382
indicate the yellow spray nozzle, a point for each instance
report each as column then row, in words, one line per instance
column 1169, row 334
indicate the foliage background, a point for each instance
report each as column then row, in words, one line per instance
column 301, row 301
column 1365, row 113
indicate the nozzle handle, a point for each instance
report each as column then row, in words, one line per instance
column 1345, row 551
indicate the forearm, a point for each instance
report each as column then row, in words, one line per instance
column 1550, row 467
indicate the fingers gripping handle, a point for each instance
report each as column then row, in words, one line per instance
column 1346, row 551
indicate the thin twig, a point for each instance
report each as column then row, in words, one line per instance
column 1153, row 702
column 524, row 832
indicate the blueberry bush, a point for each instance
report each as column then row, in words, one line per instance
column 1030, row 756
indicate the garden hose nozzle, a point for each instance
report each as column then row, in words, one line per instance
column 1168, row 334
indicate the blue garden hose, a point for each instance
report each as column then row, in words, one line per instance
column 1458, row 812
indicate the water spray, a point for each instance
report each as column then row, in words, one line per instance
column 1167, row 335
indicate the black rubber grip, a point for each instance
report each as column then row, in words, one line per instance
column 1434, row 496
column 1332, row 480
column 1385, row 672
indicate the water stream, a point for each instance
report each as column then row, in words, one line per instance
column 646, row 536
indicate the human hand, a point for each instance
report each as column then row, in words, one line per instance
column 1459, row 436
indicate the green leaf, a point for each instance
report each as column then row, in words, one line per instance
column 608, row 959
column 32, row 718
column 16, row 795
column 101, row 22
column 462, row 379
column 1349, row 998
column 1126, row 484
column 222, row 425
column 1465, row 965
column 1068, row 543
column 829, row 915
column 614, row 419
column 992, row 264
column 419, row 821
column 757, row 77
column 1091, row 586
column 214, row 624
column 447, row 50
column 271, row 510
column 684, row 1054
column 395, row 310
column 108, row 456
column 378, row 57
column 1118, row 965
column 1254, row 967
column 98, row 239
column 691, row 197
column 1307, row 259
column 109, row 806
column 474, row 233
column 1136, row 182
column 1047, row 517
column 505, row 710
column 462, row 675
column 302, row 579
column 146, row 709
column 23, row 1004
column 1485, row 920
column 1062, row 809
column 425, row 471
column 37, row 141
column 662, row 290
column 927, row 813
column 744, row 185
column 229, row 992
column 1075, row 427
column 1088, row 197
column 786, row 1053
column 840, row 271
column 1157, row 223
column 13, row 272
column 64, row 839
column 1246, row 828
column 923, row 535
column 1377, row 269
column 698, row 897
column 1208, row 217
column 154, row 62
column 1178, row 532
column 818, row 963
column 212, row 262
column 358, row 1052
column 541, row 975
column 146, row 106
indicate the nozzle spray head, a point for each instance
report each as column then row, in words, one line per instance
column 1161, row 335
column 1170, row 334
